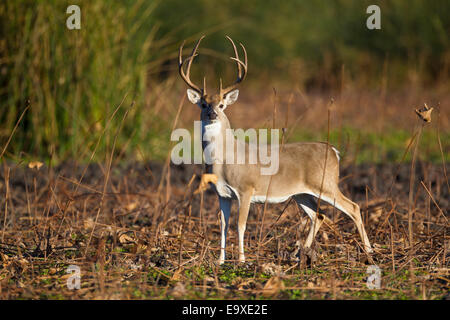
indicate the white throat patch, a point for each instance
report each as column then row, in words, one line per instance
column 212, row 129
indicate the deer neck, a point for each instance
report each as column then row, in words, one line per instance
column 210, row 134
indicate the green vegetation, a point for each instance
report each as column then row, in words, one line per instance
column 126, row 51
column 313, row 39
column 379, row 147
column 74, row 80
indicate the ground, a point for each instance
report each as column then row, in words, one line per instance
column 138, row 237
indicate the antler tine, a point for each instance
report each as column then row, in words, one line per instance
column 193, row 55
column 236, row 54
column 186, row 76
column 245, row 57
column 242, row 67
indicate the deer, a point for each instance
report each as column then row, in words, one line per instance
column 308, row 171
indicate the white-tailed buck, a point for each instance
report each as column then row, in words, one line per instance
column 307, row 170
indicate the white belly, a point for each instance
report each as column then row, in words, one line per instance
column 262, row 199
column 227, row 191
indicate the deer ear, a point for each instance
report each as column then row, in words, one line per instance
column 231, row 97
column 193, row 96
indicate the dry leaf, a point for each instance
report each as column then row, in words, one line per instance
column 424, row 113
column 248, row 284
column 132, row 265
column 272, row 269
column 177, row 275
column 23, row 262
column 273, row 286
column 139, row 248
column 236, row 281
column 376, row 215
column 124, row 238
column 131, row 206
column 4, row 257
column 420, row 227
column 89, row 223
column 35, row 164
column 179, row 290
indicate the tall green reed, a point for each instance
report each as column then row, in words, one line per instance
column 73, row 79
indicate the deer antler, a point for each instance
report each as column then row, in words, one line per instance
column 242, row 68
column 186, row 76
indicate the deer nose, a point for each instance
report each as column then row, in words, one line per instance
column 212, row 115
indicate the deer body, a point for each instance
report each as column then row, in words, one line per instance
column 306, row 170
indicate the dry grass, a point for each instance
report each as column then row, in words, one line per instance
column 143, row 246
column 137, row 231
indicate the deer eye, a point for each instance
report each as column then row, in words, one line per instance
column 220, row 106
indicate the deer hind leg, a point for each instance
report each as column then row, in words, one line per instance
column 309, row 205
column 225, row 210
column 352, row 210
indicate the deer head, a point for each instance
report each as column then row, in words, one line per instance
column 212, row 106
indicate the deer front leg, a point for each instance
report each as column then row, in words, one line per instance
column 225, row 209
column 244, row 207
column 205, row 180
